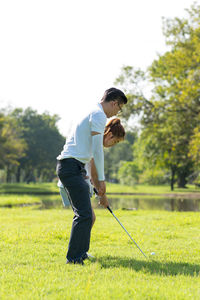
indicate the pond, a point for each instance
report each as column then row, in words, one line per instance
column 128, row 203
column 116, row 202
column 169, row 204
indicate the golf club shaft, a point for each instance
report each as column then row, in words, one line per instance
column 110, row 210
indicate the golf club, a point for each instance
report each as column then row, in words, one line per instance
column 110, row 210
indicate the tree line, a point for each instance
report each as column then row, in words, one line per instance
column 30, row 143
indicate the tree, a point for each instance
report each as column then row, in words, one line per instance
column 170, row 114
column 195, row 147
column 44, row 142
column 12, row 144
column 177, row 86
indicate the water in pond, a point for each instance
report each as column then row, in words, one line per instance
column 175, row 204
column 122, row 202
column 155, row 204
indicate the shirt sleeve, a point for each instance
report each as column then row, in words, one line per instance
column 97, row 149
column 98, row 122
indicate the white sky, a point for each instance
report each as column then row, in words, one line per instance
column 60, row 56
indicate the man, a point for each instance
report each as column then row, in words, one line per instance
column 85, row 142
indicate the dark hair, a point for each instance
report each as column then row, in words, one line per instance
column 114, row 94
column 115, row 127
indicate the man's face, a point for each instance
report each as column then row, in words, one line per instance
column 116, row 107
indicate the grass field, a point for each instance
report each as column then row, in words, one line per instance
column 33, row 244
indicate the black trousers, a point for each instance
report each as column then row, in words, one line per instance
column 72, row 175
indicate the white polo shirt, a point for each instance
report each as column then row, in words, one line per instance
column 79, row 144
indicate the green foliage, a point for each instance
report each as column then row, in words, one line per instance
column 43, row 141
column 120, row 152
column 171, row 114
column 128, row 173
column 13, row 145
column 195, row 147
column 154, row 177
column 133, row 82
column 30, row 143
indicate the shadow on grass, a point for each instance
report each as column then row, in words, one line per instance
column 151, row 266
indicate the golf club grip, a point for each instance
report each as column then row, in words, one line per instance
column 108, row 207
column 95, row 190
column 110, row 210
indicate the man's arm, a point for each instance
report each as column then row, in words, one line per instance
column 94, row 176
column 98, row 156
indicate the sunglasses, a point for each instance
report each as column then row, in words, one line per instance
column 120, row 108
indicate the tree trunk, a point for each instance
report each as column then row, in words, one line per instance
column 18, row 175
column 8, row 175
column 182, row 179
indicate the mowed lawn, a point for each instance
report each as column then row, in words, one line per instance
column 33, row 245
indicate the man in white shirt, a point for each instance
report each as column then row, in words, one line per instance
column 85, row 142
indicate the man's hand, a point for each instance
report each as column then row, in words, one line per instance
column 104, row 201
column 101, row 188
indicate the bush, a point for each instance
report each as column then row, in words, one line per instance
column 128, row 173
column 155, row 177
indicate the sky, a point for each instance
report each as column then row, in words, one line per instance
column 60, row 56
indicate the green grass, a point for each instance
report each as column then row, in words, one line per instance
column 31, row 188
column 154, row 189
column 48, row 201
column 33, row 245
column 51, row 188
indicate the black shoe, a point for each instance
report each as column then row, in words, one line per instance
column 75, row 261
column 87, row 256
